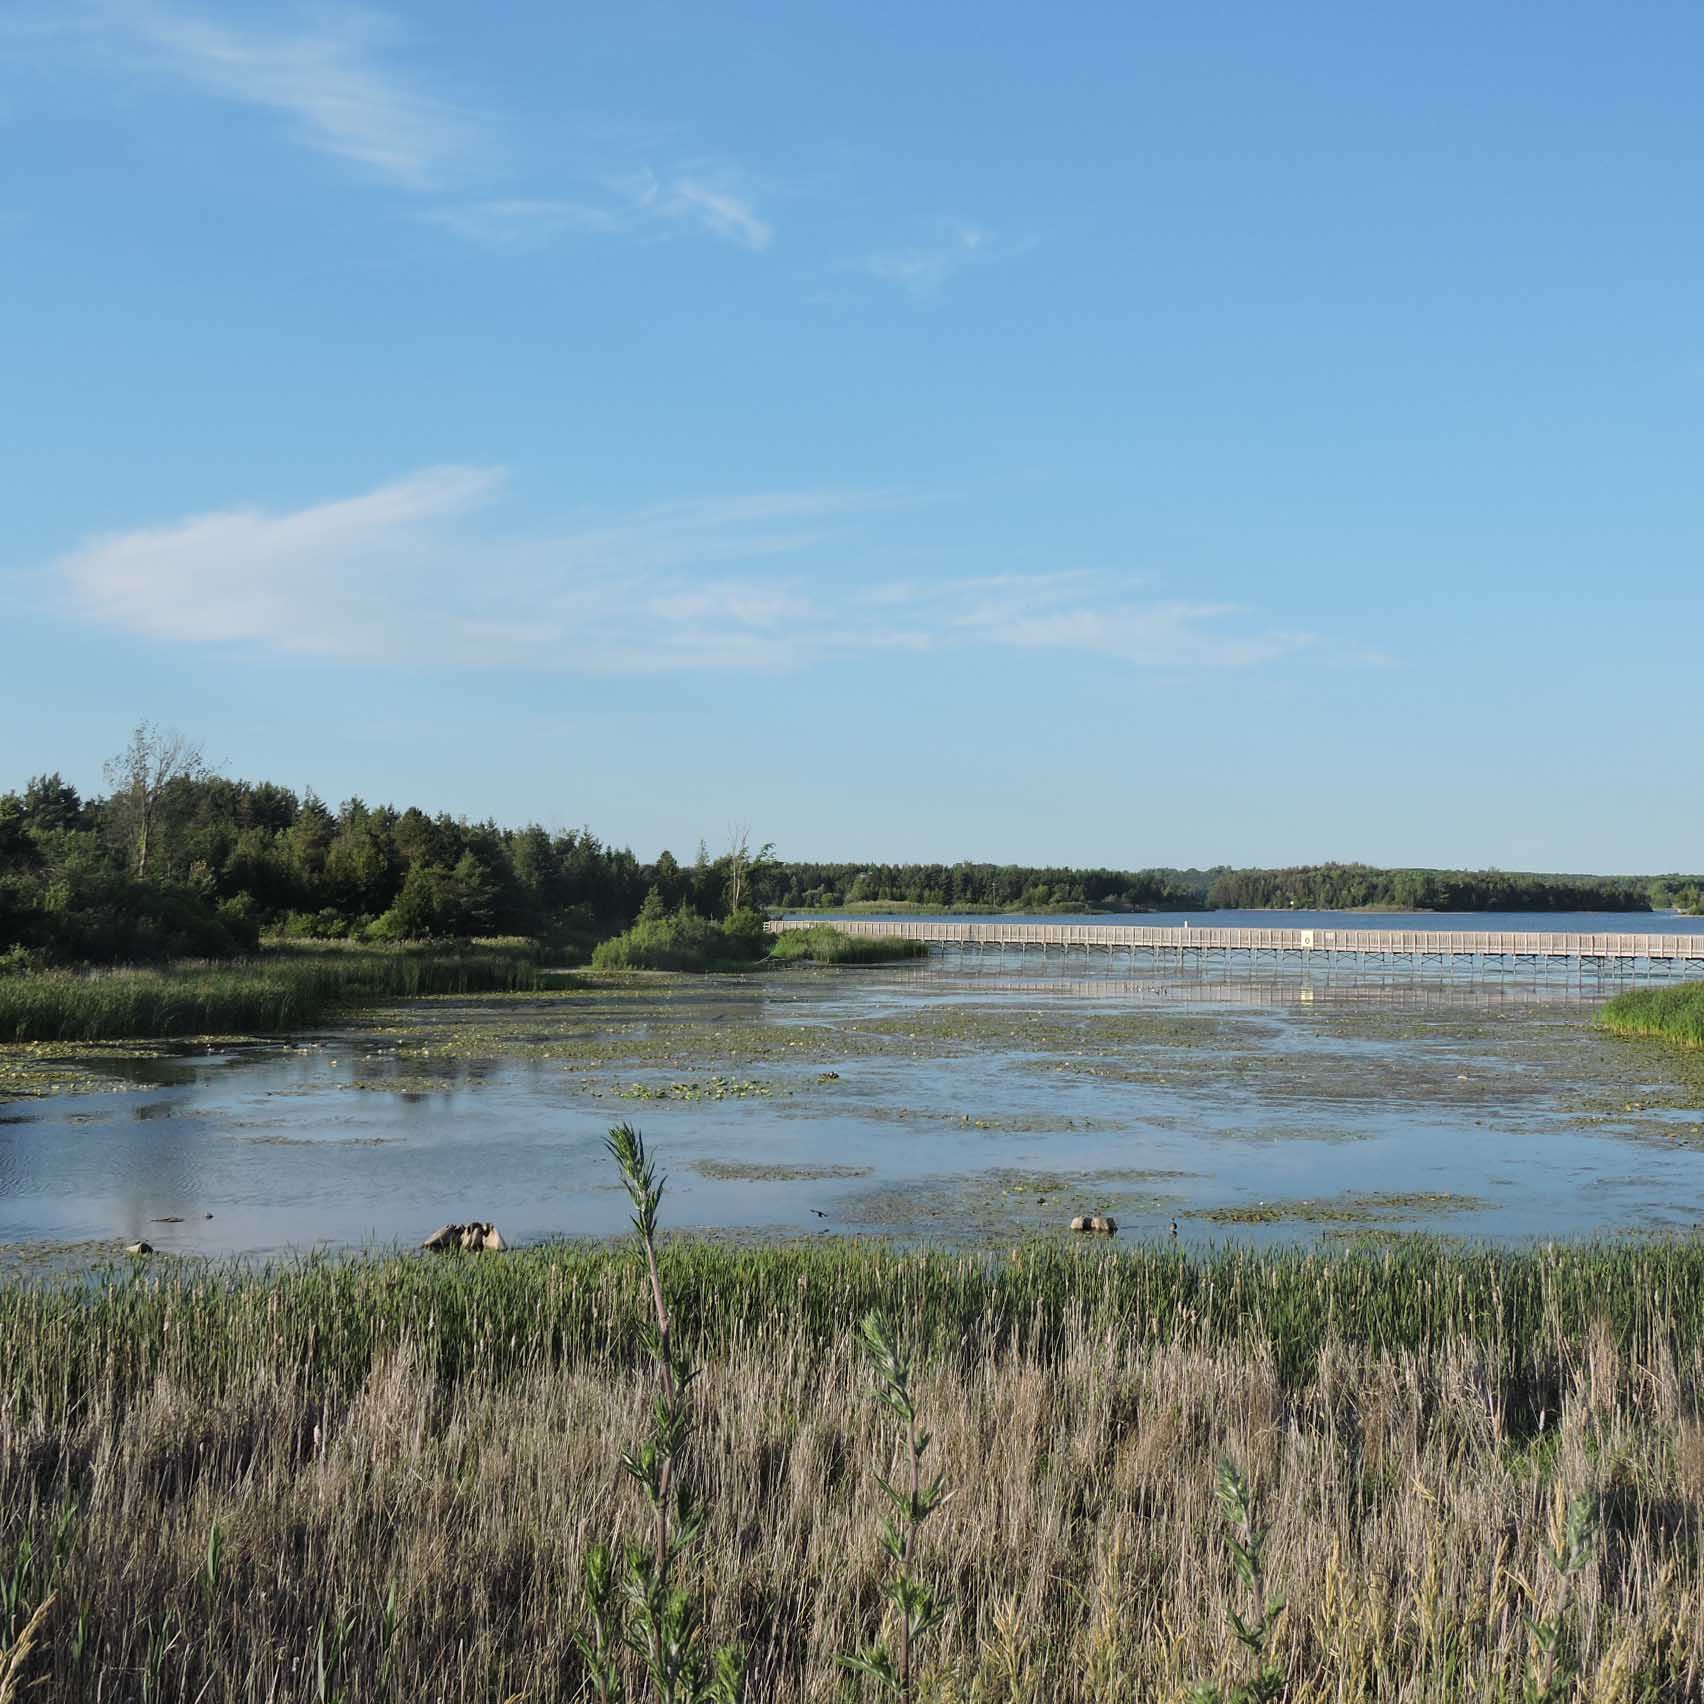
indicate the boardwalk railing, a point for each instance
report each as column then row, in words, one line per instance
column 1672, row 952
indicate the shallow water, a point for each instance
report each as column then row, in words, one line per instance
column 939, row 1104
column 1520, row 922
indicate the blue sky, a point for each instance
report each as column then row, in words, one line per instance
column 1109, row 434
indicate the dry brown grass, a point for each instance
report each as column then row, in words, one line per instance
column 1082, row 1554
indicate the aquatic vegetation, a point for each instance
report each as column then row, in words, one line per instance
column 824, row 944
column 218, row 1325
column 1338, row 1209
column 282, row 988
column 1672, row 1014
column 754, row 1171
column 993, row 1209
column 712, row 1089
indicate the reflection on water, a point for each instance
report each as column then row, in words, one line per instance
column 1398, row 992
column 1515, row 922
column 954, row 1102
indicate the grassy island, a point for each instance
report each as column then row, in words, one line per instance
column 686, row 941
column 365, row 1478
column 1672, row 1014
column 824, row 944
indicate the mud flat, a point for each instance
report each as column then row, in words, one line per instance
column 916, row 1105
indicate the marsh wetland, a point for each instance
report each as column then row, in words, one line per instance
column 939, row 1105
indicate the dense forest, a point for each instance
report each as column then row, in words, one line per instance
column 1312, row 887
column 979, row 886
column 174, row 861
column 1341, row 887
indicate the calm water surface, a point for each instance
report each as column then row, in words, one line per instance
column 941, row 1104
column 1552, row 922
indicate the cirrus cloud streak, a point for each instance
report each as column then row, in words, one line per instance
column 415, row 572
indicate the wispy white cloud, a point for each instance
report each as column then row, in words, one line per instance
column 923, row 267
column 521, row 222
column 1094, row 613
column 719, row 211
column 340, row 83
column 710, row 196
column 637, row 203
column 413, row 572
column 327, row 81
column 293, row 580
column 1171, row 633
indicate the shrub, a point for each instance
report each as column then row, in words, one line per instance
column 683, row 941
column 324, row 925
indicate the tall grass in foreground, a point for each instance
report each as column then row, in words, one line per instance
column 1674, row 1014
column 282, row 988
column 214, row 1329
column 381, row 1482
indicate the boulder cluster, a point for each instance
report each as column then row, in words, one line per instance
column 474, row 1236
column 1096, row 1222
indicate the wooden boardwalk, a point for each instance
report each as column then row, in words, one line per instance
column 1623, row 954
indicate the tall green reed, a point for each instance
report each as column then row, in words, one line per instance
column 1246, row 1538
column 1551, row 1666
column 917, row 1612
column 653, row 1615
column 215, row 1328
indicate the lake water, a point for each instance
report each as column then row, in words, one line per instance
column 1543, row 922
column 946, row 1104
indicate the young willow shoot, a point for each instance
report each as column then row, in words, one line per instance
column 658, row 1621
column 1550, row 1670
column 917, row 1612
column 1247, row 1543
column 599, row 1640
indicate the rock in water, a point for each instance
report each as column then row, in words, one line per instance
column 475, row 1236
column 1079, row 1223
column 1105, row 1226
column 139, row 1248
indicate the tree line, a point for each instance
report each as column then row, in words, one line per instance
column 1343, row 887
column 1309, row 887
column 174, row 860
column 1000, row 887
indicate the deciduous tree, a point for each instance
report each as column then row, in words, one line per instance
column 139, row 777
